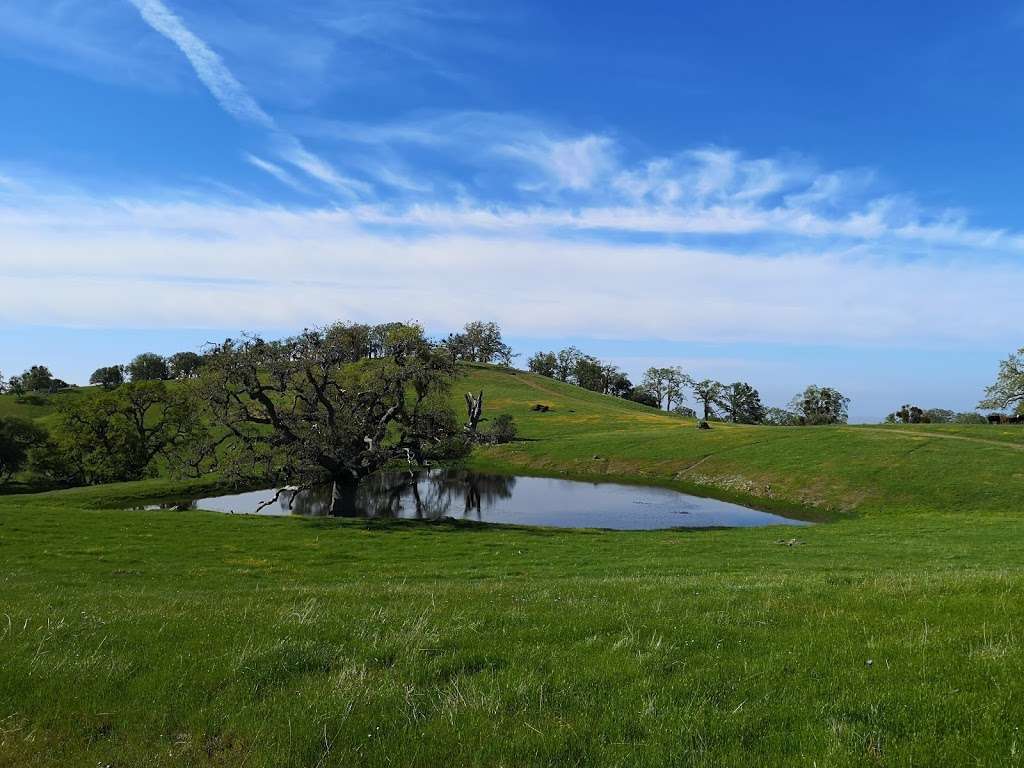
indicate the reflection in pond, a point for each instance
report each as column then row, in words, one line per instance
column 439, row 494
column 413, row 495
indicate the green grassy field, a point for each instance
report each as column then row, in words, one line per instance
column 45, row 412
column 890, row 636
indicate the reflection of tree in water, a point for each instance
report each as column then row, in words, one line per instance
column 309, row 503
column 177, row 506
column 477, row 492
column 427, row 495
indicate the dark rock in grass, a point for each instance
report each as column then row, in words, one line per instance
column 539, row 408
column 703, row 425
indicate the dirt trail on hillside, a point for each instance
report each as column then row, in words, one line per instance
column 539, row 387
column 911, row 433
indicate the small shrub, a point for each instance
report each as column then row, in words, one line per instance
column 31, row 398
column 503, row 429
column 451, row 448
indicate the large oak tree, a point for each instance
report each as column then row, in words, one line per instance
column 316, row 408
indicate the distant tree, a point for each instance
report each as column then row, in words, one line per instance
column 940, row 416
column 108, row 377
column 1008, row 389
column 119, row 434
column 741, row 403
column 360, row 338
column 643, row 396
column 820, row 405
column 3, row 383
column 184, row 365
column 380, row 337
column 17, row 438
column 575, row 367
column 480, row 342
column 675, row 382
column 38, row 378
column 654, row 385
column 707, row 392
column 565, row 369
column 149, row 367
column 684, row 411
column 667, row 384
column 780, row 417
column 544, row 364
column 589, row 374
column 616, row 382
column 15, row 386
column 908, row 414
column 970, row 417
column 456, row 345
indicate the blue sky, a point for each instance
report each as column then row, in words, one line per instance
column 781, row 192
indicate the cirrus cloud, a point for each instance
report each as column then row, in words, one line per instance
column 136, row 263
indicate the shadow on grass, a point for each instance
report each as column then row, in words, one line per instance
column 405, row 525
column 20, row 487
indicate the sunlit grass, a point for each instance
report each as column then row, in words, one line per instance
column 890, row 637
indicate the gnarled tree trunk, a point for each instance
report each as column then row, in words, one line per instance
column 344, row 499
column 475, row 410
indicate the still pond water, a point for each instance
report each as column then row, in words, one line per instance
column 438, row 494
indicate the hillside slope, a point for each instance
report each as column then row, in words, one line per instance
column 40, row 408
column 864, row 468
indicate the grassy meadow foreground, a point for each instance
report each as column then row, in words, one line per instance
column 890, row 635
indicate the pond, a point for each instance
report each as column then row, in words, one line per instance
column 462, row 495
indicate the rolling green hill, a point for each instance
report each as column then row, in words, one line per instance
column 890, row 636
column 41, row 408
column 851, row 469
column 864, row 469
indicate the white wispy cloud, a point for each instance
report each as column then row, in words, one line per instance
column 276, row 171
column 293, row 151
column 415, row 37
column 530, row 154
column 522, row 173
column 557, row 230
column 208, row 66
column 234, row 98
column 292, row 58
column 134, row 263
column 82, row 37
column 575, row 164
